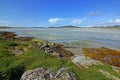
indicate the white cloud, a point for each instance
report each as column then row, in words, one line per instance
column 79, row 21
column 116, row 21
column 106, row 23
column 54, row 20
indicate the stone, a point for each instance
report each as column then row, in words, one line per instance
column 82, row 61
column 62, row 52
column 17, row 52
column 25, row 49
column 116, row 69
column 108, row 75
column 48, row 74
column 105, row 55
column 7, row 35
column 23, row 38
column 53, row 49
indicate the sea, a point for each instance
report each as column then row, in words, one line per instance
column 109, row 37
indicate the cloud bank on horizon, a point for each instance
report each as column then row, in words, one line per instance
column 46, row 13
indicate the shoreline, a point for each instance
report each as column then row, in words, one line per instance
column 43, row 54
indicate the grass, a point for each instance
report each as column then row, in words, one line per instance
column 12, row 67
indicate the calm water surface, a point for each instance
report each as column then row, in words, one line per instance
column 107, row 36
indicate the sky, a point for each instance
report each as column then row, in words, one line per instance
column 45, row 13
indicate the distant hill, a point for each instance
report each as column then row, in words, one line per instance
column 115, row 26
column 68, row 26
column 112, row 27
column 107, row 27
column 4, row 27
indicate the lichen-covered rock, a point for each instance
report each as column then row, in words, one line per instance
column 52, row 48
column 116, row 69
column 17, row 52
column 108, row 75
column 48, row 74
column 82, row 61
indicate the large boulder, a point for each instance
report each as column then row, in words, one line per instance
column 48, row 74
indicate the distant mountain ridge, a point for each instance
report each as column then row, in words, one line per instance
column 114, row 26
column 68, row 26
column 5, row 27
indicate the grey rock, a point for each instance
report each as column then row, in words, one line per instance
column 109, row 75
column 17, row 52
column 83, row 61
column 48, row 74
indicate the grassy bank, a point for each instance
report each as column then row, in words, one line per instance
column 12, row 67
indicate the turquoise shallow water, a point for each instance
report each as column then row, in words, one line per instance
column 109, row 37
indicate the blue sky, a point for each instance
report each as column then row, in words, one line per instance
column 43, row 13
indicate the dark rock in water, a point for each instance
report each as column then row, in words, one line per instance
column 48, row 74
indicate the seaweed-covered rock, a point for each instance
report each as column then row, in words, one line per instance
column 7, row 35
column 105, row 55
column 52, row 48
column 48, row 74
column 62, row 52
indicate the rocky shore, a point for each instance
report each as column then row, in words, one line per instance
column 82, row 57
column 47, row 47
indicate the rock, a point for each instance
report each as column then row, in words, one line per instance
column 62, row 52
column 38, row 74
column 116, row 69
column 53, row 49
column 68, row 76
column 82, row 61
column 108, row 75
column 48, row 74
column 23, row 38
column 25, row 49
column 16, row 48
column 17, row 52
column 7, row 35
column 59, row 72
column 105, row 55
column 55, row 54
